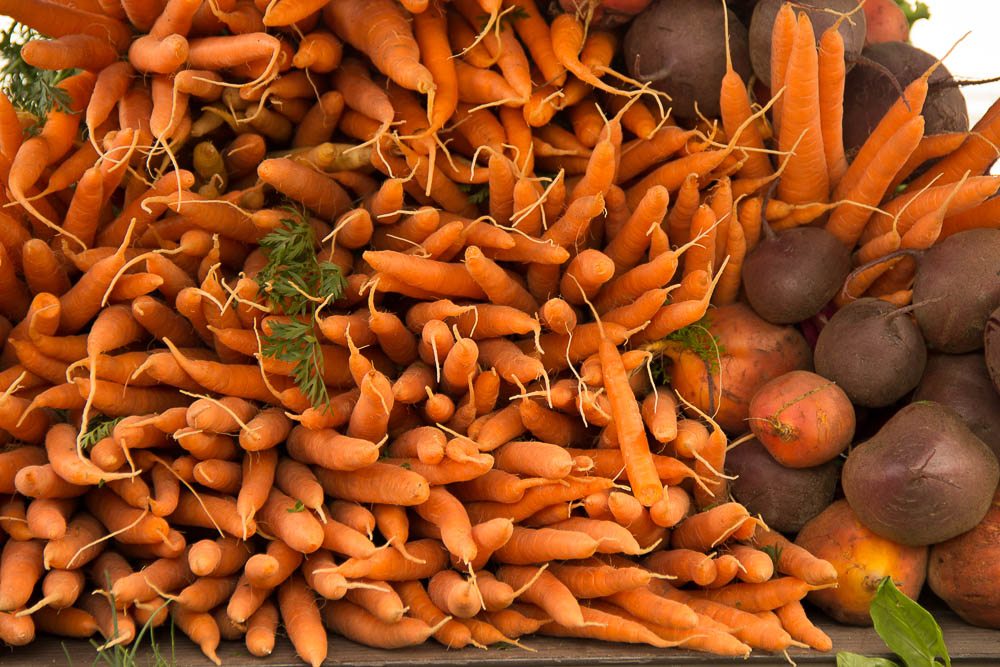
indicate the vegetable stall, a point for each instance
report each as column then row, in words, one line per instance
column 366, row 330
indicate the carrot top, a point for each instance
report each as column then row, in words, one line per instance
column 297, row 283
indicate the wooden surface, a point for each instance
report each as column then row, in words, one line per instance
column 966, row 644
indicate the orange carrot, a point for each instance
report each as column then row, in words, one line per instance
column 381, row 31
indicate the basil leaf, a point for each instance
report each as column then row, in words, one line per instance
column 908, row 629
column 846, row 659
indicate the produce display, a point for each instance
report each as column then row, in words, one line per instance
column 465, row 321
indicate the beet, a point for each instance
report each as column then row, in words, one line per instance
column 958, row 286
column 872, row 350
column 679, row 46
column 786, row 498
column 923, row 478
column 868, row 93
column 791, row 275
column 965, row 571
column 762, row 22
column 991, row 340
column 960, row 381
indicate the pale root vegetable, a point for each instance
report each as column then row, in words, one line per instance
column 962, row 571
column 862, row 559
column 802, row 419
column 754, row 352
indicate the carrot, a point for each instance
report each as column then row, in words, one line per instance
column 483, row 86
column 300, row 530
column 527, row 546
column 381, row 31
column 452, row 593
column 57, row 20
column 757, row 566
column 591, row 579
column 650, row 607
column 550, row 425
column 284, row 13
column 806, row 179
column 729, row 283
column 357, row 624
column 903, row 110
column 450, row 633
column 47, row 517
column 534, row 459
column 847, row 221
column 793, row 560
column 78, row 546
column 630, row 243
column 330, row 449
column 640, row 154
column 586, row 121
column 319, row 52
column 534, row 32
column 975, row 154
column 567, row 42
column 443, row 509
column 301, row 618
column 797, row 624
column 201, row 628
column 544, row 590
column 909, row 207
column 220, row 416
column 206, row 593
column 20, row 569
column 628, row 422
column 602, row 622
column 746, row 626
column 379, row 483
column 315, row 190
column 69, row 622
column 115, row 625
column 13, row 521
column 13, row 461
column 41, row 481
column 426, row 558
column 758, row 597
column 832, row 73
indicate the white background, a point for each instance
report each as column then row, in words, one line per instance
column 977, row 57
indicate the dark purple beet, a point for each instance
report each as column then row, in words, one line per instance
column 786, row 498
column 872, row 350
column 957, row 286
column 791, row 276
column 923, row 478
column 991, row 340
column 868, row 93
column 960, row 382
column 679, row 46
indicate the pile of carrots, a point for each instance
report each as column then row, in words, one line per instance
column 472, row 448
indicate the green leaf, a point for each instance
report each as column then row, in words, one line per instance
column 774, row 551
column 296, row 283
column 847, row 659
column 299, row 507
column 908, row 629
column 479, row 196
column 98, row 428
column 405, row 465
column 699, row 340
column 914, row 14
column 29, row 88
